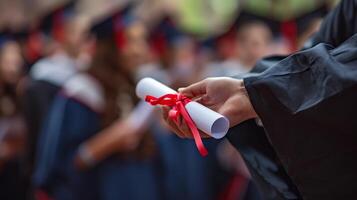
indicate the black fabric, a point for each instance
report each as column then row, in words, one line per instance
column 290, row 101
column 259, row 155
column 263, row 164
column 37, row 101
column 11, row 181
column 307, row 103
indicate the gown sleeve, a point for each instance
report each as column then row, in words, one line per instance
column 262, row 161
column 307, row 104
column 339, row 25
column 259, row 155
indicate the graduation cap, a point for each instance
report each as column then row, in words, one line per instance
column 114, row 26
column 104, row 28
column 163, row 35
column 4, row 36
column 18, row 34
column 53, row 23
column 289, row 25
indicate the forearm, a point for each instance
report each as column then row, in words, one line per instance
column 105, row 142
column 101, row 146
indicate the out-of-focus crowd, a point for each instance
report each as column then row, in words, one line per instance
column 71, row 126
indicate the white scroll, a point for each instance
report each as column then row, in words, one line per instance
column 207, row 120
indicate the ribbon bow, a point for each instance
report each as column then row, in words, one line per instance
column 177, row 103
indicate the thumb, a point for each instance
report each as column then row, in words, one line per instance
column 195, row 90
column 204, row 100
column 231, row 113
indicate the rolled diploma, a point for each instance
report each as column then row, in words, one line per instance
column 207, row 120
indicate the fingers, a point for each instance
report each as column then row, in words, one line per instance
column 205, row 100
column 165, row 111
column 185, row 130
column 171, row 124
column 204, row 135
column 195, row 90
column 180, row 128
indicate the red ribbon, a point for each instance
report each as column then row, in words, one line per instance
column 177, row 103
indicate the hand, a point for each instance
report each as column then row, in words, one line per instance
column 181, row 129
column 120, row 137
column 224, row 95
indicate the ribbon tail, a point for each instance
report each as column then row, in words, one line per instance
column 196, row 134
column 177, row 102
column 200, row 146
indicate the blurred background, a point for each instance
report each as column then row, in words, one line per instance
column 70, row 124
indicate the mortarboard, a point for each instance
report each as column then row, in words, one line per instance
column 114, row 26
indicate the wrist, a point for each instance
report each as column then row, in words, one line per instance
column 250, row 109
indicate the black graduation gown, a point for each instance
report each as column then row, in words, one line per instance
column 260, row 157
column 264, row 165
column 307, row 105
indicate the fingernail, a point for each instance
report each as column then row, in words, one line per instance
column 180, row 89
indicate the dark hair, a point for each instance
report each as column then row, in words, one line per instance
column 107, row 67
column 113, row 77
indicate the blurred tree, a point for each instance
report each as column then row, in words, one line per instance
column 283, row 10
column 206, row 17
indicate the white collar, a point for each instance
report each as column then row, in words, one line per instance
column 56, row 69
column 86, row 90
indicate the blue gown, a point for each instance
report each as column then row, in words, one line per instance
column 185, row 173
column 70, row 122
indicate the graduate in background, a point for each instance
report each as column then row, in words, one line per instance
column 180, row 173
column 88, row 103
column 12, row 127
column 253, row 40
column 306, row 103
column 48, row 75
